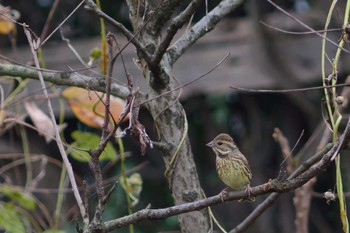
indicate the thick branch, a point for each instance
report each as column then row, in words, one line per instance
column 136, row 8
column 68, row 78
column 202, row 27
column 271, row 186
column 174, row 26
column 260, row 209
column 164, row 14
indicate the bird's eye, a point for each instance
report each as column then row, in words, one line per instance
column 220, row 143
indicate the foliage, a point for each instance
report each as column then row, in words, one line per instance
column 89, row 141
column 13, row 217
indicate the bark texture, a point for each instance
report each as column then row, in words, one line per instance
column 171, row 126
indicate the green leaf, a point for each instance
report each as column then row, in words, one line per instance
column 132, row 186
column 95, row 53
column 90, row 141
column 18, row 196
column 10, row 220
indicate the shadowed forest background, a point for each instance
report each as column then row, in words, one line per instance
column 259, row 57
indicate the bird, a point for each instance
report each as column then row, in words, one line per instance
column 231, row 165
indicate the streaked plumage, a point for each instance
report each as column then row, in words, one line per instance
column 231, row 165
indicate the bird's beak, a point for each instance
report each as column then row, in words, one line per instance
column 210, row 144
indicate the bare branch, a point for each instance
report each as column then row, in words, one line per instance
column 91, row 6
column 286, row 151
column 109, row 193
column 298, row 178
column 202, row 27
column 49, row 20
column 283, row 142
column 289, row 90
column 60, row 25
column 86, row 195
column 302, row 202
column 174, row 26
column 107, row 134
column 34, row 45
column 75, row 52
column 108, row 86
column 305, row 169
column 95, row 82
column 306, row 26
column 298, row 33
column 186, row 84
column 41, row 69
column 260, row 209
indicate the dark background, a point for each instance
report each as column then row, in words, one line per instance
column 249, row 117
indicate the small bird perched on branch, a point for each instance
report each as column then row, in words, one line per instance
column 231, row 165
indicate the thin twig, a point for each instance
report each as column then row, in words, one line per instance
column 60, row 25
column 307, row 26
column 61, row 148
column 41, row 174
column 109, row 193
column 298, row 33
column 36, row 157
column 91, row 6
column 289, row 90
column 12, row 19
column 49, row 20
column 139, row 30
column 285, row 148
column 70, row 46
column 86, row 195
column 186, row 84
column 108, row 87
column 105, row 138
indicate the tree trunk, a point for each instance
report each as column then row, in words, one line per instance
column 171, row 126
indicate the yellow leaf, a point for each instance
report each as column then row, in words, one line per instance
column 89, row 108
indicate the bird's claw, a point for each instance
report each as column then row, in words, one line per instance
column 223, row 194
column 248, row 190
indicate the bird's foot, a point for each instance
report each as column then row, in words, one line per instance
column 248, row 190
column 223, row 194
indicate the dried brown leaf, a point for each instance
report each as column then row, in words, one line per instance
column 41, row 121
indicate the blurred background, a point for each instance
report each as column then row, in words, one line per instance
column 260, row 58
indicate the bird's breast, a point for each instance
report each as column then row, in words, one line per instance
column 233, row 172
